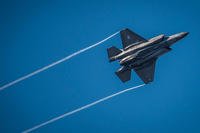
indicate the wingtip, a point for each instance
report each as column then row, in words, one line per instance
column 124, row 29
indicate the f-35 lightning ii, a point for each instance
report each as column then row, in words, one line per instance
column 140, row 54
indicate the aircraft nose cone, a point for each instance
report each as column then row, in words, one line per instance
column 183, row 34
column 174, row 38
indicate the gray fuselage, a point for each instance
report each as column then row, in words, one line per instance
column 139, row 53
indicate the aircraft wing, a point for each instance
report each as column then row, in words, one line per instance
column 146, row 71
column 128, row 37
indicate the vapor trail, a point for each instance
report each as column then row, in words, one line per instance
column 55, row 63
column 80, row 109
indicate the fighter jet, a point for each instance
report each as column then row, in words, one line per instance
column 140, row 54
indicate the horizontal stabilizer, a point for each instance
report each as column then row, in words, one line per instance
column 113, row 51
column 124, row 74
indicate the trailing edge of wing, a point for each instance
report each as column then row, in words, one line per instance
column 129, row 37
column 146, row 71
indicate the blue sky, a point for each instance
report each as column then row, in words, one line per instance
column 37, row 33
